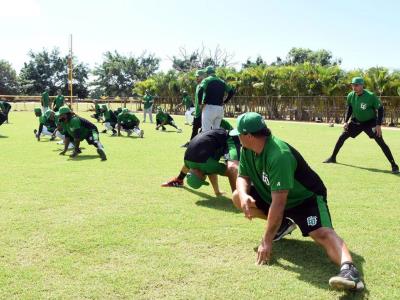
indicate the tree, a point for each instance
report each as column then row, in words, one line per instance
column 49, row 69
column 199, row 58
column 258, row 62
column 8, row 79
column 118, row 74
column 302, row 55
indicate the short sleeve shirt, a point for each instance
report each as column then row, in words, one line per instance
column 148, row 101
column 364, row 107
column 274, row 169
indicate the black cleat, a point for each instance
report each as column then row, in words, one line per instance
column 286, row 228
column 347, row 279
column 102, row 154
column 395, row 169
column 330, row 160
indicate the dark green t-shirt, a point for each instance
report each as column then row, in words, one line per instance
column 59, row 101
column 187, row 101
column 45, row 99
column 126, row 118
column 50, row 124
column 280, row 167
column 148, row 101
column 197, row 110
column 364, row 106
column 162, row 117
column 97, row 108
column 76, row 129
column 214, row 89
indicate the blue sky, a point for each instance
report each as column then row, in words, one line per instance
column 362, row 33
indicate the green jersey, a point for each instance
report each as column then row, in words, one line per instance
column 214, row 89
column 109, row 116
column 2, row 107
column 364, row 106
column 148, row 101
column 280, row 167
column 45, row 99
column 50, row 124
column 60, row 125
column 79, row 128
column 197, row 110
column 97, row 108
column 163, row 117
column 126, row 118
column 187, row 101
column 59, row 101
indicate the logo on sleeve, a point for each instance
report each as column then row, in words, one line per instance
column 265, row 178
column 312, row 221
column 363, row 106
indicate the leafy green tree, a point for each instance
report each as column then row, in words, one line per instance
column 49, row 69
column 8, row 79
column 118, row 74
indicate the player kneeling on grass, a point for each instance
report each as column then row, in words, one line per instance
column 127, row 121
column 163, row 118
column 98, row 114
column 276, row 183
column 202, row 158
column 47, row 125
column 110, row 119
column 78, row 129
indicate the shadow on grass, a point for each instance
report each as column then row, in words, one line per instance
column 312, row 265
column 83, row 157
column 3, row 137
column 221, row 203
column 367, row 169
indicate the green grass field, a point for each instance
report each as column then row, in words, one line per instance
column 77, row 229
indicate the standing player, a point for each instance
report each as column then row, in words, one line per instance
column 78, row 129
column 128, row 122
column 58, row 101
column 164, row 118
column 45, row 100
column 211, row 96
column 148, row 100
column 276, row 182
column 197, row 110
column 366, row 113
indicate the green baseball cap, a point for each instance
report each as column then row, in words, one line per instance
column 210, row 70
column 37, row 111
column 249, row 122
column 357, row 80
column 195, row 182
column 200, row 72
column 64, row 110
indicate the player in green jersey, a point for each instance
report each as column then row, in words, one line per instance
column 128, row 122
column 276, row 183
column 364, row 114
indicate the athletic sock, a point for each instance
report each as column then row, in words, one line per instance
column 181, row 176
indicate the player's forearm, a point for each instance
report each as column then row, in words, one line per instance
column 349, row 112
column 275, row 215
column 380, row 116
column 40, row 130
column 66, row 143
column 242, row 187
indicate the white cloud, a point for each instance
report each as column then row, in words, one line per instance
column 19, row 8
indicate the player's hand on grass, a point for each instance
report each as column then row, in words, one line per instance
column 246, row 204
column 264, row 253
column 378, row 131
column 345, row 126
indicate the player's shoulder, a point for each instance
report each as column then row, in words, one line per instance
column 369, row 93
column 277, row 149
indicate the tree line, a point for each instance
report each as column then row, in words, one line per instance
column 303, row 72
